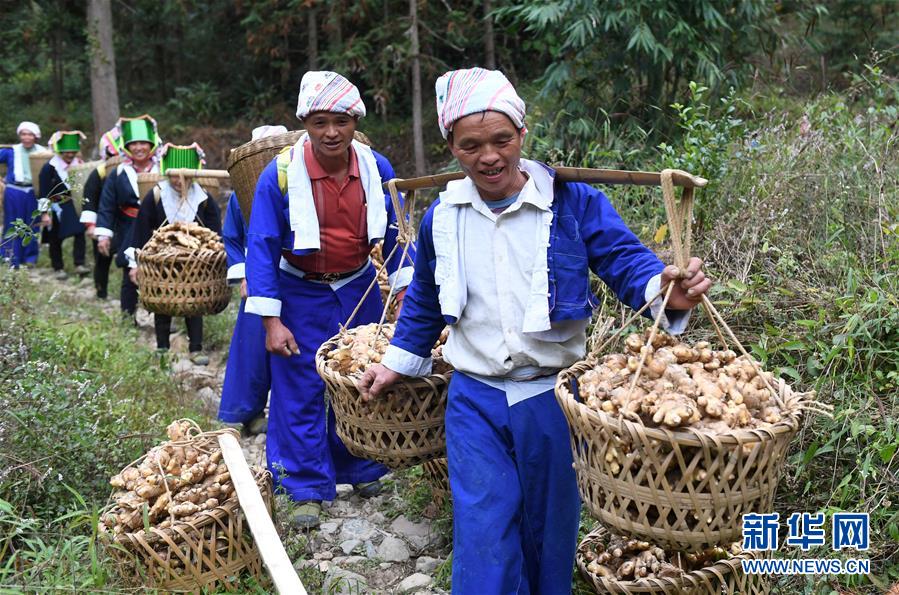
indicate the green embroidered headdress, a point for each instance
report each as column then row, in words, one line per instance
column 139, row 129
column 187, row 157
column 65, row 141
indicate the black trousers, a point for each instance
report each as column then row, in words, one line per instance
column 128, row 294
column 101, row 272
column 163, row 326
column 79, row 248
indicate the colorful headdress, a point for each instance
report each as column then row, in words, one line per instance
column 187, row 157
column 30, row 127
column 111, row 143
column 325, row 91
column 461, row 93
column 64, row 141
column 140, row 129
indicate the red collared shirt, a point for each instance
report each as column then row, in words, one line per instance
column 342, row 222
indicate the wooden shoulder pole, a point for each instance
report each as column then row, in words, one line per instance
column 267, row 540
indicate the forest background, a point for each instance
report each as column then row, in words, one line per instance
column 789, row 108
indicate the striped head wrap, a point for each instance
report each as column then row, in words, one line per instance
column 469, row 91
column 324, row 91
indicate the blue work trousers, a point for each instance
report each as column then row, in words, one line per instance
column 515, row 500
column 247, row 376
column 302, row 445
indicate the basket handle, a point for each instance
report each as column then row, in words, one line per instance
column 405, row 237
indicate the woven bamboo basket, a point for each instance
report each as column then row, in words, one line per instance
column 657, row 496
column 211, row 551
column 145, row 182
column 77, row 177
column 725, row 577
column 402, row 429
column 37, row 160
column 684, row 489
column 437, row 474
column 246, row 162
column 184, row 284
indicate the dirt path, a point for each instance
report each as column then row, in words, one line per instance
column 381, row 545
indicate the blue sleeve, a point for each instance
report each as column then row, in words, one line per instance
column 614, row 253
column 421, row 321
column 268, row 224
column 396, row 266
column 234, row 234
column 107, row 211
column 6, row 156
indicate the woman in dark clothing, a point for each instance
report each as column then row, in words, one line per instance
column 59, row 218
column 110, row 147
column 119, row 201
column 167, row 203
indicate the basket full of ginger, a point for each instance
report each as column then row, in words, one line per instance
column 174, row 518
column 402, row 429
column 183, row 271
column 673, row 442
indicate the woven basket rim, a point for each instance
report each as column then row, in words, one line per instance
column 349, row 381
column 262, row 144
column 731, row 565
column 686, row 436
column 161, row 257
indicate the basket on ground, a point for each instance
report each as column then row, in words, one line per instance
column 403, row 428
column 210, row 551
column 725, row 577
column 184, row 284
column 246, row 162
column 658, row 494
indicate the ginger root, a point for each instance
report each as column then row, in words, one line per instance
column 680, row 386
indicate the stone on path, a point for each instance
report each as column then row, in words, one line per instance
column 426, row 564
column 349, row 545
column 343, row 582
column 419, row 535
column 414, row 583
column 393, row 549
column 359, row 529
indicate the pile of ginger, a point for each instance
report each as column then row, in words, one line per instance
column 629, row 559
column 365, row 345
column 681, row 386
column 172, row 482
column 181, row 238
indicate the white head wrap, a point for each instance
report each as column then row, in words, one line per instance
column 461, row 93
column 266, row 130
column 324, row 91
column 30, row 127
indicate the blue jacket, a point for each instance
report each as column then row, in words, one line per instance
column 586, row 234
column 234, row 236
column 269, row 233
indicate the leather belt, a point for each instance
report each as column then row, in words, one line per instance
column 322, row 277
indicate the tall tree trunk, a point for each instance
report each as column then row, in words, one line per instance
column 312, row 38
column 336, row 26
column 489, row 37
column 417, row 137
column 58, row 83
column 104, row 90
